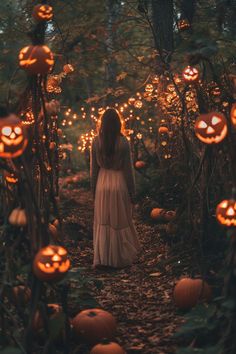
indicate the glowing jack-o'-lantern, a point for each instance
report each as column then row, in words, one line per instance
column 226, row 212
column 138, row 104
column 190, row 74
column 131, row 101
column 233, row 115
column 183, row 24
column 43, row 12
column 51, row 263
column 211, row 128
column 68, row 68
column 13, row 139
column 149, row 88
column 10, row 177
column 36, row 59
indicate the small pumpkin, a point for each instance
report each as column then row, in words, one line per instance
column 10, row 178
column 107, row 348
column 140, row 164
column 233, row 115
column 94, row 325
column 188, row 292
column 183, row 24
column 157, row 214
column 190, row 74
column 68, row 68
column 42, row 12
column 226, row 212
column 163, row 130
column 51, row 263
column 18, row 217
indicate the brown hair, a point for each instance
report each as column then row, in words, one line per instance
column 109, row 131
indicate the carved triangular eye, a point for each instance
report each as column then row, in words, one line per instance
column 215, row 120
column 6, row 131
column 230, row 212
column 202, row 125
column 224, row 204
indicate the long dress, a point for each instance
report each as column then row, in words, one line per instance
column 114, row 235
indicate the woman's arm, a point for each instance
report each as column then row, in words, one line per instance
column 94, row 168
column 129, row 172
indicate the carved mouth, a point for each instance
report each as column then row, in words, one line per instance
column 54, row 267
column 10, row 142
column 213, row 139
column 226, row 221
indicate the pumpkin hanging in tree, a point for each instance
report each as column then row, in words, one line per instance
column 226, row 212
column 211, row 128
column 36, row 59
column 43, row 12
column 51, row 263
column 13, row 138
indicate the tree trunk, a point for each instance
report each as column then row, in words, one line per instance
column 163, row 24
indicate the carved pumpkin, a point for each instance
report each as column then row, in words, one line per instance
column 233, row 115
column 138, row 104
column 43, row 12
column 51, row 263
column 183, row 24
column 20, row 295
column 211, row 128
column 140, row 164
column 10, row 177
column 131, row 101
column 27, row 117
column 13, row 138
column 190, row 74
column 68, row 68
column 18, row 217
column 36, row 59
column 188, row 292
column 94, row 325
column 107, row 348
column 149, row 88
column 226, row 212
column 163, row 130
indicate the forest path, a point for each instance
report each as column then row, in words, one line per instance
column 140, row 297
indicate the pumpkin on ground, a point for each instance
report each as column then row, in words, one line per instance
column 18, row 217
column 107, row 348
column 140, row 164
column 94, row 325
column 51, row 263
column 157, row 213
column 188, row 292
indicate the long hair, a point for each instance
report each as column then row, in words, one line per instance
column 109, row 131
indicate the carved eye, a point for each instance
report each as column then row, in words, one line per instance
column 6, row 131
column 224, row 204
column 202, row 125
column 230, row 212
column 215, row 120
column 18, row 130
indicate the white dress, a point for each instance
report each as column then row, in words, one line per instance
column 114, row 235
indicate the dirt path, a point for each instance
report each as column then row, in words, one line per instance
column 140, row 297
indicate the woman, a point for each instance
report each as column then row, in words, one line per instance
column 112, row 181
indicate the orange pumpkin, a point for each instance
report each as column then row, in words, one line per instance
column 68, row 68
column 226, row 212
column 233, row 115
column 10, row 177
column 163, row 130
column 188, row 292
column 131, row 101
column 107, row 348
column 157, row 213
column 190, row 74
column 94, row 325
column 211, row 128
column 183, row 24
column 140, row 164
column 51, row 263
column 42, row 12
column 18, row 217
column 36, row 59
column 13, row 137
